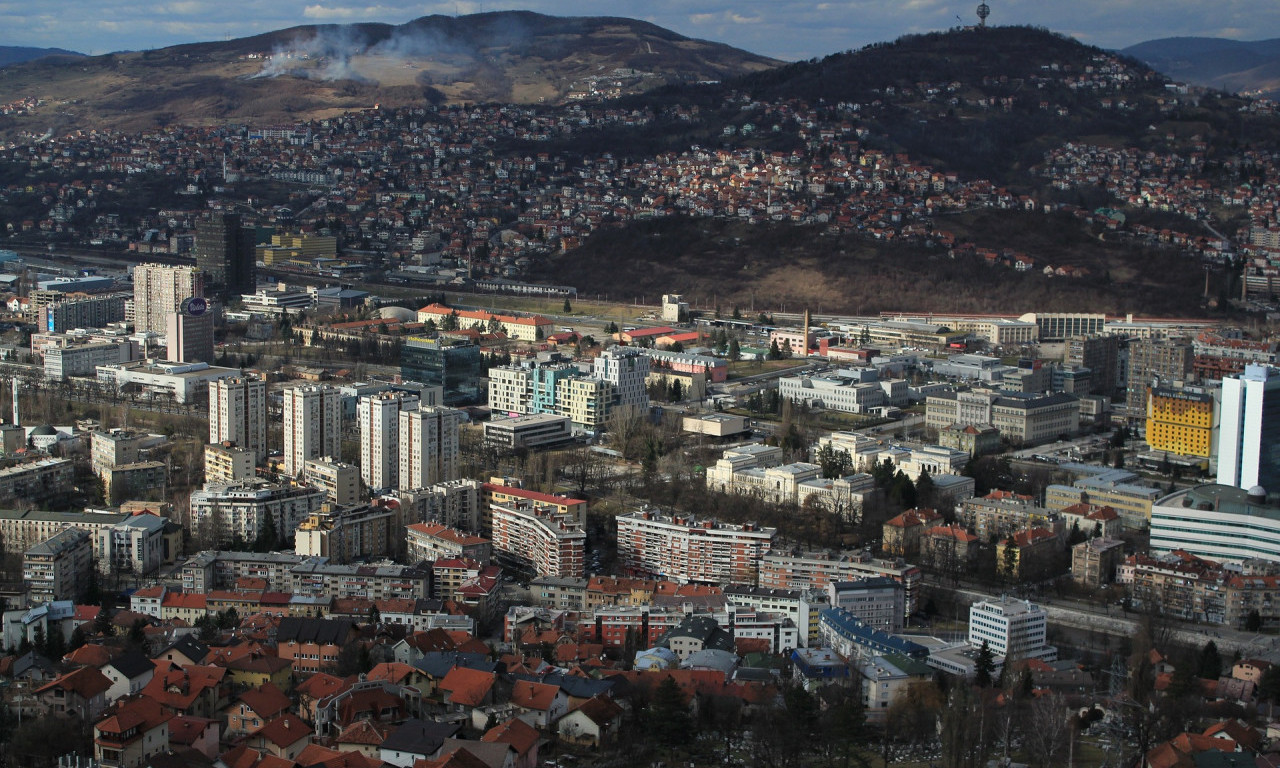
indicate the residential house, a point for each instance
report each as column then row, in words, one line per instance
column 522, row 738
column 197, row 733
column 80, row 693
column 540, row 704
column 254, row 708
column 128, row 672
column 196, row 690
column 131, row 732
column 902, row 533
column 465, row 688
column 593, row 723
column 184, row 652
column 415, row 740
column 312, row 645
column 285, row 736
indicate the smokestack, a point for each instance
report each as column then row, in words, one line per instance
column 806, row 332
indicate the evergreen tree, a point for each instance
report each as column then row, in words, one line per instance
column 55, row 645
column 77, row 640
column 735, row 350
column 667, row 717
column 984, row 665
column 138, row 634
column 567, row 306
column 375, row 616
column 1210, row 664
column 102, row 622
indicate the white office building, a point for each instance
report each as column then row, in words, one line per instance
column 379, row 416
column 238, row 413
column 625, row 369
column 1249, row 436
column 1013, row 629
column 312, row 425
column 428, row 446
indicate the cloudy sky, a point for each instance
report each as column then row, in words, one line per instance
column 786, row 29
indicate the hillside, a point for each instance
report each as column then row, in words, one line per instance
column 769, row 266
column 1237, row 66
column 16, row 54
column 319, row 71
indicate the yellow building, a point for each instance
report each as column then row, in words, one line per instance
column 584, row 401
column 287, row 247
column 1182, row 421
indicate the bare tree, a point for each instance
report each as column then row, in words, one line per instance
column 1047, row 735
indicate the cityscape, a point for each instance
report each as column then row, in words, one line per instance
column 913, row 406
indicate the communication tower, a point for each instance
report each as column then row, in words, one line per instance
column 984, row 11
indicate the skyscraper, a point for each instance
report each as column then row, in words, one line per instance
column 428, row 446
column 1168, row 360
column 158, row 292
column 238, row 413
column 1249, row 435
column 227, row 252
column 312, row 425
column 380, row 437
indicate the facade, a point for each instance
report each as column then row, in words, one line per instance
column 429, row 449
column 1217, row 522
column 625, row 370
column 22, row 529
column 1249, row 441
column 379, row 416
column 519, row 327
column 1094, row 562
column 84, row 359
column 1002, row 513
column 136, row 545
column 189, row 337
column 877, row 602
column 139, row 480
column 1012, row 629
column 684, row 549
column 59, row 568
column 339, row 481
column 1156, row 360
column 714, row 369
column 547, row 541
column 815, row 570
column 456, row 504
column 228, row 463
column 531, row 431
column 1182, row 421
column 184, row 382
column 1023, row 417
column 1100, row 355
column 494, row 493
column 119, row 446
column 36, row 481
column 229, row 512
column 344, row 534
column 841, row 393
column 973, row 440
column 238, row 414
column 455, row 366
column 226, row 251
column 312, row 425
column 1131, row 500
column 432, row 541
column 81, row 311
column 158, row 292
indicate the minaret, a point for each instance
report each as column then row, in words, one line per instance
column 16, row 421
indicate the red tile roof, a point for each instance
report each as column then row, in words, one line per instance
column 285, row 730
column 516, row 732
column 266, row 700
column 535, row 696
column 600, row 710
column 467, row 686
column 85, row 682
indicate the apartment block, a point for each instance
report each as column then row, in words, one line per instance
column 429, row 449
column 344, row 534
column 800, row 570
column 312, row 425
column 379, row 416
column 238, row 413
column 539, row 538
column 59, row 568
column 432, row 541
column 1182, row 420
column 228, row 463
column 686, row 549
column 339, row 481
column 229, row 512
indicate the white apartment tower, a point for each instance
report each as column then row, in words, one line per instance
column 428, row 446
column 380, row 437
column 238, row 414
column 1249, row 436
column 158, row 291
column 312, row 425
column 625, row 369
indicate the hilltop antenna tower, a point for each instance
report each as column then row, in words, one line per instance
column 984, row 11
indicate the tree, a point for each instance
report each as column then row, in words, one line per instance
column 835, row 463
column 567, row 306
column 1210, row 663
column 1009, row 561
column 1253, row 622
column 450, row 322
column 228, row 619
column 375, row 616
column 774, row 352
column 667, row 716
column 735, row 350
column 984, row 664
column 138, row 634
column 102, row 622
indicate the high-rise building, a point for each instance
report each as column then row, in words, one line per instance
column 428, row 446
column 380, row 437
column 1182, row 420
column 158, row 292
column 1249, row 435
column 625, row 369
column 189, row 337
column 238, row 413
column 1166, row 360
column 227, row 252
column 1100, row 354
column 312, row 425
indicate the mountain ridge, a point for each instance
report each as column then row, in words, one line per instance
column 1238, row 66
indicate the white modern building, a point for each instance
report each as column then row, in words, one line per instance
column 379, row 416
column 227, row 512
column 1217, row 522
column 1249, row 435
column 428, row 446
column 686, row 549
column 184, row 382
column 1012, row 629
column 238, row 413
column 312, row 425
column 625, row 369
